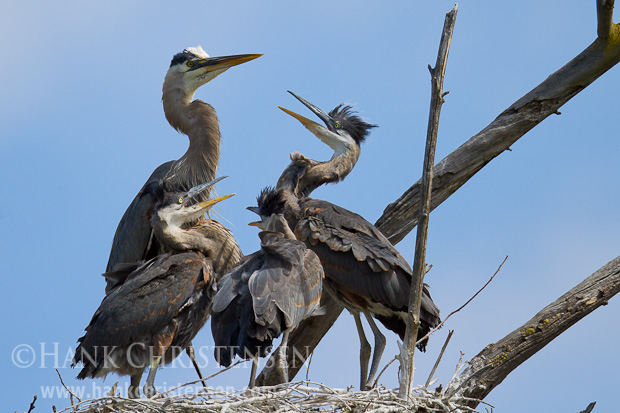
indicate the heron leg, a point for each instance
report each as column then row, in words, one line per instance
column 192, row 356
column 253, row 372
column 161, row 344
column 282, row 361
column 364, row 351
column 378, row 351
column 134, row 387
column 149, row 388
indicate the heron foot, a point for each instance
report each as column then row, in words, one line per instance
column 133, row 392
column 149, row 390
column 296, row 156
column 134, row 387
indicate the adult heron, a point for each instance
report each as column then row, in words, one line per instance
column 363, row 270
column 269, row 293
column 190, row 69
column 154, row 309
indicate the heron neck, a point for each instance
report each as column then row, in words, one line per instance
column 206, row 236
column 334, row 170
column 197, row 120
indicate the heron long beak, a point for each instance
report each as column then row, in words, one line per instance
column 312, row 126
column 211, row 202
column 258, row 224
column 198, row 189
column 329, row 122
column 224, row 62
column 325, row 133
column 253, row 209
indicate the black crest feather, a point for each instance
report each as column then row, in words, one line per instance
column 182, row 57
column 270, row 201
column 346, row 116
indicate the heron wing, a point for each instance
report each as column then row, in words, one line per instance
column 289, row 282
column 261, row 296
column 355, row 255
column 232, row 314
column 351, row 232
column 148, row 300
column 133, row 233
column 123, row 271
column 232, row 283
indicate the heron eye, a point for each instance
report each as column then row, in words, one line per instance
column 190, row 64
column 180, row 200
column 337, row 125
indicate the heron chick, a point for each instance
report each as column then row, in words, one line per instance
column 344, row 132
column 156, row 308
column 269, row 293
column 363, row 271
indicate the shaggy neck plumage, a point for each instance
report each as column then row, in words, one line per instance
column 206, row 236
column 303, row 175
column 334, row 170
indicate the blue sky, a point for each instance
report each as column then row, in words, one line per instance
column 82, row 126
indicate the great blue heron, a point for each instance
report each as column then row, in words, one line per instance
column 190, row 69
column 153, row 312
column 270, row 292
column 363, row 271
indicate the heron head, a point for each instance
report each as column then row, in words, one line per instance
column 343, row 128
column 270, row 201
column 193, row 67
column 178, row 207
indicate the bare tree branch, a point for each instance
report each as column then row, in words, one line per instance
column 489, row 368
column 589, row 408
column 413, row 321
column 399, row 218
column 31, row 408
column 463, row 306
column 604, row 15
column 443, row 349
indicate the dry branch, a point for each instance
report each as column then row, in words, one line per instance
column 604, row 15
column 419, row 263
column 589, row 408
column 463, row 306
column 443, row 350
column 31, row 408
column 399, row 218
column 487, row 369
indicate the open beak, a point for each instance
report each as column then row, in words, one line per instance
column 253, row 209
column 317, row 111
column 198, row 189
column 224, row 62
column 312, row 126
column 211, row 202
column 325, row 133
column 257, row 224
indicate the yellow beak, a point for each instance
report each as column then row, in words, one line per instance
column 211, row 202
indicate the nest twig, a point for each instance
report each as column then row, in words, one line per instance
column 301, row 396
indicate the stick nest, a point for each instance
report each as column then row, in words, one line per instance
column 301, row 396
